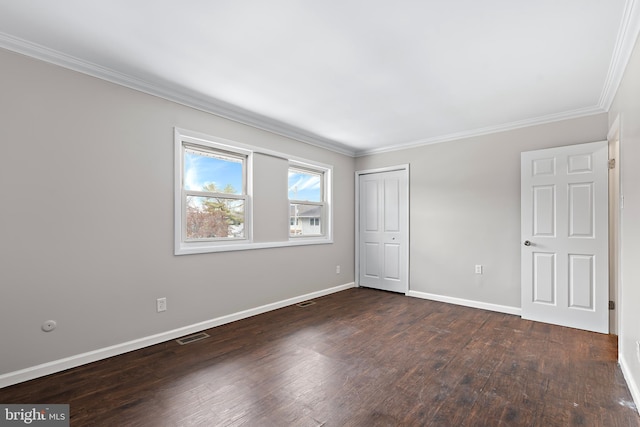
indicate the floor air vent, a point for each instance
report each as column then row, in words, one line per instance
column 192, row 338
column 305, row 303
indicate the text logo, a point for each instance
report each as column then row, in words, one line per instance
column 40, row 415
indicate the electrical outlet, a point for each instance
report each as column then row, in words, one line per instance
column 478, row 269
column 161, row 304
column 337, row 269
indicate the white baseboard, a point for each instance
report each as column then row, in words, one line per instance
column 114, row 350
column 467, row 303
column 631, row 383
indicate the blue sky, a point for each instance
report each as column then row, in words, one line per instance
column 304, row 186
column 200, row 170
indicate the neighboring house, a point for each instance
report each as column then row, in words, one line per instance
column 305, row 220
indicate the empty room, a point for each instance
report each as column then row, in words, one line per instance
column 320, row 213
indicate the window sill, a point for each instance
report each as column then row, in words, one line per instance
column 206, row 247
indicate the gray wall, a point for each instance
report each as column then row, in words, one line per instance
column 626, row 106
column 86, row 179
column 465, row 207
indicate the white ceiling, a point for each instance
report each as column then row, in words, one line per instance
column 357, row 76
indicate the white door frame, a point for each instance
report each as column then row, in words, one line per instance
column 613, row 137
column 405, row 234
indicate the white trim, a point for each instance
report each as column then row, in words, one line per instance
column 171, row 93
column 614, row 130
column 614, row 135
column 406, row 235
column 114, row 350
column 625, row 42
column 384, row 169
column 631, row 384
column 630, row 26
column 203, row 138
column 245, row 246
column 467, row 303
column 567, row 115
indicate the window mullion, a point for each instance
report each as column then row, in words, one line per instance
column 215, row 195
column 304, row 202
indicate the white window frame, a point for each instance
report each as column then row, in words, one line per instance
column 182, row 246
column 223, row 153
column 325, row 179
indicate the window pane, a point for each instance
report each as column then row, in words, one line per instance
column 211, row 217
column 306, row 186
column 305, row 219
column 213, row 172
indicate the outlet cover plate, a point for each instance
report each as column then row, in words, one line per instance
column 161, row 304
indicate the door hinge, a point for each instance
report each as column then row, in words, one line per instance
column 612, row 305
column 612, row 163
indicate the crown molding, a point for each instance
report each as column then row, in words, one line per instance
column 174, row 94
column 626, row 39
column 625, row 42
column 574, row 114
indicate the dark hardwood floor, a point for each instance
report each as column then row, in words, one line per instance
column 356, row 358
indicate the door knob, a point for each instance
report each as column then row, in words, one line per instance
column 527, row 243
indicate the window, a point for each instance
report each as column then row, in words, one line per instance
column 215, row 197
column 307, row 200
column 231, row 196
column 212, row 194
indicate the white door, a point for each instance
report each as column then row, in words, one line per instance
column 383, row 230
column 564, row 247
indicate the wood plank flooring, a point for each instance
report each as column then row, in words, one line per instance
column 356, row 358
